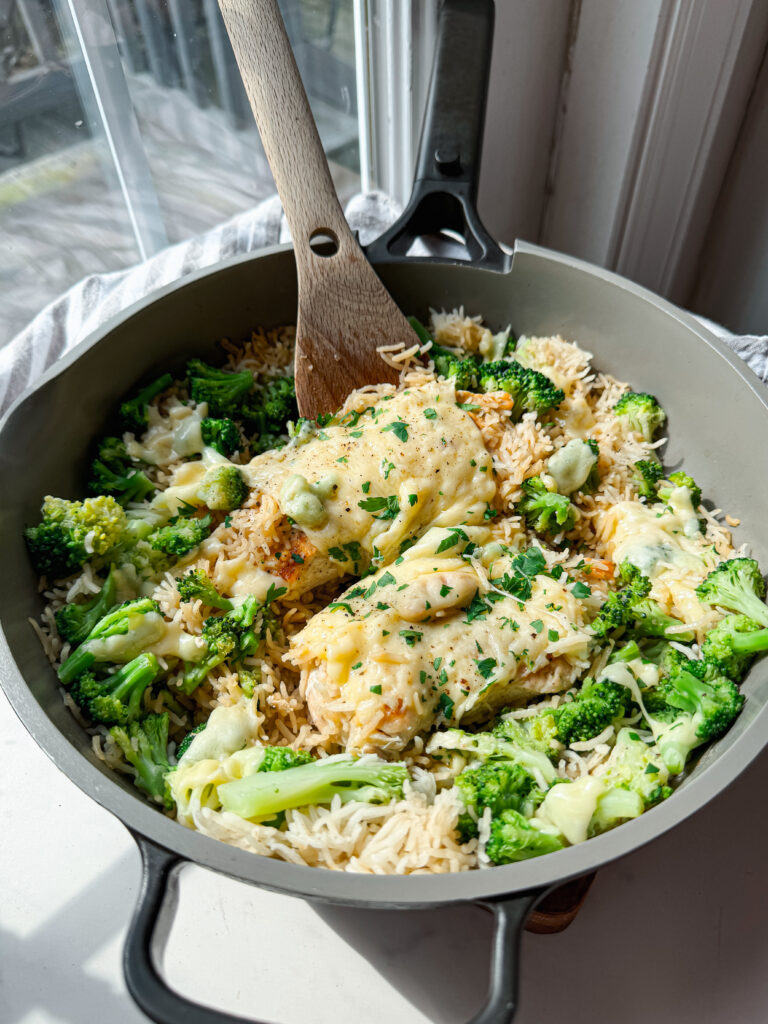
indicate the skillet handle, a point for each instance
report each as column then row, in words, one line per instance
column 165, row 1006
column 444, row 195
column 160, row 1003
column 510, row 915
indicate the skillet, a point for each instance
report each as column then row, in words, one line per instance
column 633, row 334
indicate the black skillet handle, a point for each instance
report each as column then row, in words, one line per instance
column 510, row 914
column 444, row 195
column 160, row 1003
column 164, row 1006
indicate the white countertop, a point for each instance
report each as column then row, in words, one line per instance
column 678, row 929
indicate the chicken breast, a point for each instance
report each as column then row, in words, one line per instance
column 435, row 638
column 349, row 495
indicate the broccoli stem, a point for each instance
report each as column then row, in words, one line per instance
column 267, row 793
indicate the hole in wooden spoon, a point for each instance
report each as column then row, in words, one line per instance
column 323, row 242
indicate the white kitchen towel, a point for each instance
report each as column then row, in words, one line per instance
column 87, row 305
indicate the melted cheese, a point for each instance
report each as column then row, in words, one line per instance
column 571, row 465
column 383, row 661
column 418, row 452
column 170, row 437
column 570, row 806
column 667, row 546
column 185, row 485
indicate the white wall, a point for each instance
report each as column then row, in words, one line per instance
column 733, row 281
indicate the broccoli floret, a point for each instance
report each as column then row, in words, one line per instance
column 643, row 413
column 738, row 586
column 595, row 707
column 681, row 479
column 265, row 794
column 546, row 511
column 463, row 370
column 112, row 472
column 221, row 434
column 731, row 646
column 498, row 785
column 635, row 765
column 138, row 624
column 531, row 390
column 248, row 679
column 268, row 411
column 231, row 636
column 118, row 698
column 75, row 621
column 647, row 474
column 628, row 652
column 197, row 584
column 279, row 759
column 180, row 535
column 617, row 611
column 631, row 609
column 713, row 702
column 223, row 489
column 71, row 533
column 649, row 619
column 221, row 389
column 145, row 746
column 133, row 412
column 687, row 709
column 185, row 744
column 514, row 838
column 509, row 741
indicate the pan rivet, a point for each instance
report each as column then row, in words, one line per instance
column 447, row 160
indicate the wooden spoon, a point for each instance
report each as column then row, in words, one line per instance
column 344, row 312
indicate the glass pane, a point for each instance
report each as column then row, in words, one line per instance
column 62, row 214
column 124, row 126
column 197, row 128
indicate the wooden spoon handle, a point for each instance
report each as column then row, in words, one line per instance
column 286, row 125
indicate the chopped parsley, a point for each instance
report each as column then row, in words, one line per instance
column 553, row 635
column 376, row 688
column 446, row 705
column 412, row 499
column 581, row 589
column 486, row 667
column 457, row 534
column 297, row 558
column 431, row 414
column 537, row 625
column 398, row 428
column 366, row 486
column 477, row 609
column 386, row 579
column 388, row 507
column 445, row 590
column 411, row 636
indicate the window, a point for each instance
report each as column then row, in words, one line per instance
column 124, row 126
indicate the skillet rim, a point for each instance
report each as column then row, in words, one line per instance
column 392, row 891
